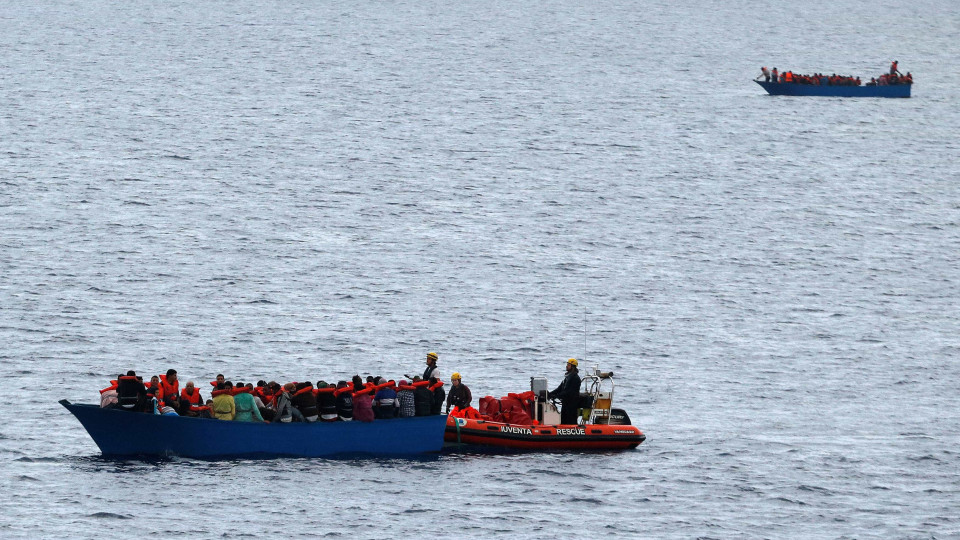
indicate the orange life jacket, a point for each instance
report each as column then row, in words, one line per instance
column 169, row 389
column 113, row 386
column 157, row 394
column 191, row 399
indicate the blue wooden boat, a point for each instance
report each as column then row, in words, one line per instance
column 794, row 89
column 121, row 433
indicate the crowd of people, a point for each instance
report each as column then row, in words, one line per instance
column 358, row 399
column 819, row 79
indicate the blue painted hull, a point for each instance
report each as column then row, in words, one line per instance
column 122, row 433
column 792, row 89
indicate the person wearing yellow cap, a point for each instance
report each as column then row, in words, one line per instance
column 568, row 393
column 432, row 369
column 459, row 395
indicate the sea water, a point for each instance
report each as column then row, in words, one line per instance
column 312, row 189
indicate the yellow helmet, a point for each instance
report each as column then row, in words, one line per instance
column 432, row 356
column 455, row 376
column 572, row 361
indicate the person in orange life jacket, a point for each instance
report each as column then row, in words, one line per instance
column 422, row 398
column 131, row 394
column 344, row 400
column 286, row 412
column 405, row 401
column 154, row 389
column 246, row 405
column 362, row 402
column 326, row 402
column 893, row 68
column 171, row 388
column 385, row 401
column 439, row 395
column 224, row 406
column 220, row 380
column 459, row 395
column 568, row 393
column 304, row 400
column 190, row 397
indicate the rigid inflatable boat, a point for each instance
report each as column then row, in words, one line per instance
column 534, row 422
column 121, row 433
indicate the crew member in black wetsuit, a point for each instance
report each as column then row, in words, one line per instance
column 568, row 393
column 459, row 395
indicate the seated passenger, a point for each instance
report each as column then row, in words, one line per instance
column 224, row 406
column 154, row 389
column 171, row 388
column 385, row 401
column 190, row 400
column 344, row 398
column 439, row 395
column 246, row 406
column 220, row 380
column 131, row 394
column 422, row 397
column 362, row 401
column 306, row 402
column 286, row 412
column 326, row 402
column 405, row 400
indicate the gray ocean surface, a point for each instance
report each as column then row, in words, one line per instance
column 310, row 189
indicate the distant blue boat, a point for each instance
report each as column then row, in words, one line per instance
column 794, row 89
column 122, row 433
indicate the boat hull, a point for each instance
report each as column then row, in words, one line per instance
column 793, row 89
column 542, row 438
column 121, row 433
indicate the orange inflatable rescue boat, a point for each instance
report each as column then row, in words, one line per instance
column 529, row 421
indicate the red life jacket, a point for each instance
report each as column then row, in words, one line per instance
column 169, row 389
column 241, row 390
column 158, row 393
column 191, row 399
column 113, row 386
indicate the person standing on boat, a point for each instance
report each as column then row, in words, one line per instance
column 569, row 393
column 775, row 75
column 766, row 73
column 432, row 369
column 893, row 68
column 459, row 395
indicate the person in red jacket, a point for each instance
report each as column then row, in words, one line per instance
column 171, row 388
